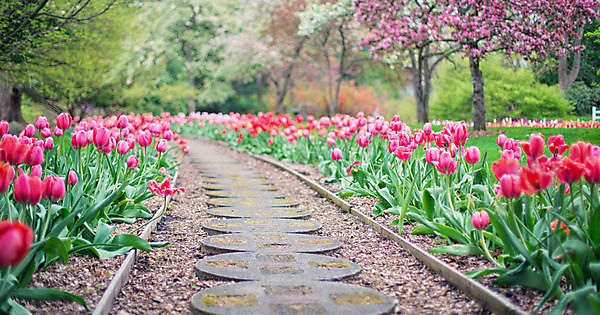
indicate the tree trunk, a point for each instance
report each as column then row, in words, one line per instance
column 10, row 101
column 287, row 79
column 421, row 77
column 342, row 70
column 566, row 76
column 478, row 96
column 191, row 74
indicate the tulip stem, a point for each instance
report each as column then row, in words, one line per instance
column 8, row 205
column 486, row 251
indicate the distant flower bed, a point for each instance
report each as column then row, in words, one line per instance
column 523, row 122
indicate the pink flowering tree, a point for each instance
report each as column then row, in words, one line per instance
column 530, row 28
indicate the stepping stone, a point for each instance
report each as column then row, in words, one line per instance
column 258, row 266
column 261, row 224
column 259, row 187
column 269, row 242
column 290, row 297
column 254, row 212
column 237, row 203
column 225, row 180
column 249, row 194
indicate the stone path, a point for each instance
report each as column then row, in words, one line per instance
column 263, row 228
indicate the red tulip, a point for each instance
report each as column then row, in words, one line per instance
column 534, row 179
column 36, row 171
column 592, row 170
column 7, row 173
column 563, row 226
column 132, row 162
column 480, row 219
column 101, row 137
column 15, row 239
column 510, row 186
column 569, row 171
column 12, row 150
column 35, row 156
column 472, row 155
column 53, row 188
column 336, row 154
column 164, row 188
column 557, row 145
column 63, row 121
column 535, row 146
column 161, row 145
column 185, row 149
column 72, row 179
column 505, row 166
column 580, row 151
column 27, row 189
column 79, row 139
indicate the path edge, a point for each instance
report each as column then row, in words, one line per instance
column 474, row 289
column 111, row 292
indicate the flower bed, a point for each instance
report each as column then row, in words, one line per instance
column 531, row 216
column 65, row 189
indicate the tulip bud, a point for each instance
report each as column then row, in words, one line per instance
column 53, row 188
column 122, row 121
column 36, row 171
column 480, row 219
column 101, row 137
column 72, row 179
column 510, row 185
column 58, row 132
column 27, row 189
column 132, row 162
column 122, row 147
column 49, row 144
column 3, row 127
column 29, row 131
column 63, row 121
column 472, row 155
column 161, row 146
column 41, row 122
column 7, row 173
column 144, row 138
column 15, row 239
column 79, row 139
column 336, row 154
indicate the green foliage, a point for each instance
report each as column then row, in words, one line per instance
column 509, row 92
column 583, row 97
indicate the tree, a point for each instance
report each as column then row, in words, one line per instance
column 477, row 28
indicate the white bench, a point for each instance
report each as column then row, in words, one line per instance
column 595, row 113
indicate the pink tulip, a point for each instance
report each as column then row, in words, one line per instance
column 36, row 171
column 122, row 147
column 63, row 121
column 35, row 156
column 79, row 139
column 161, row 146
column 41, row 122
column 53, row 188
column 3, row 127
column 27, row 189
column 49, row 144
column 29, row 131
column 132, row 162
column 122, row 121
column 510, row 185
column 336, row 154
column 480, row 219
column 101, row 137
column 446, row 164
column 144, row 138
column 472, row 155
column 72, row 179
column 58, row 132
column 7, row 173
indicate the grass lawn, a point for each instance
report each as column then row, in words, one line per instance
column 488, row 144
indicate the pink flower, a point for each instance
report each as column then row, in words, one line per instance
column 79, row 139
column 480, row 219
column 15, row 239
column 144, row 138
column 35, row 156
column 161, row 145
column 403, row 153
column 53, row 188
column 63, row 121
column 41, row 122
column 3, row 127
column 29, row 131
column 510, row 185
column 49, row 144
column 164, row 188
column 122, row 121
column 472, row 155
column 132, row 162
column 72, row 179
column 27, row 189
column 446, row 164
column 7, row 173
column 122, row 147
column 336, row 154
column 101, row 137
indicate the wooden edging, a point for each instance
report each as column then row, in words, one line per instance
column 474, row 289
column 118, row 281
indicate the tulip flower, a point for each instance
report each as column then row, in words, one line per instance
column 535, row 147
column 29, row 131
column 592, row 170
column 480, row 219
column 432, row 155
column 41, row 122
column 79, row 139
column 569, row 171
column 427, row 129
column 12, row 150
column 472, row 155
column 36, row 171
column 155, row 129
column 53, row 188
column 144, row 138
column 505, row 166
column 168, row 135
column 185, row 149
column 132, row 162
column 72, row 178
column 58, row 132
column 161, row 145
column 27, row 189
column 122, row 121
column 7, row 173
column 49, row 144
column 534, row 179
column 446, row 163
column 101, row 137
column 501, row 140
column 3, row 127
column 46, row 132
column 35, row 156
column 580, row 151
column 563, row 226
column 269, row 141
column 15, row 239
column 164, row 188
column 510, row 186
column 122, row 147
column 403, row 153
column 336, row 154
column 63, row 121
column 557, row 145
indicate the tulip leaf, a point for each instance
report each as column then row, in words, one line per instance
column 47, row 294
column 422, row 230
column 56, row 248
column 457, row 250
column 132, row 241
column 428, row 204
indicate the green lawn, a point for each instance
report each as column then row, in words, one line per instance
column 488, row 144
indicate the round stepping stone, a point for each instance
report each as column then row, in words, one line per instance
column 261, row 224
column 254, row 212
column 259, row 187
column 225, row 202
column 259, row 266
column 268, row 242
column 249, row 194
column 290, row 297
column 225, row 180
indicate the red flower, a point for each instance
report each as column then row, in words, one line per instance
column 505, row 166
column 535, row 146
column 13, row 151
column 569, row 171
column 509, row 186
column 557, row 145
column 580, row 151
column 591, row 175
column 534, row 179
column 164, row 189
column 472, row 155
column 7, row 173
column 27, row 189
column 563, row 226
column 53, row 188
column 63, row 121
column 446, row 164
column 15, row 239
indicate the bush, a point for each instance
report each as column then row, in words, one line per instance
column 583, row 97
column 509, row 92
